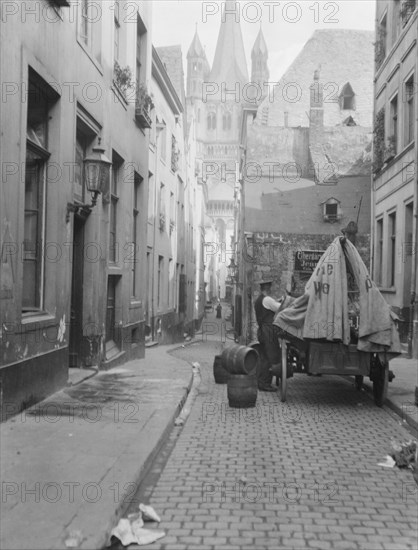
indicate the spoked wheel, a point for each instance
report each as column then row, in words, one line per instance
column 380, row 385
column 359, row 382
column 283, row 383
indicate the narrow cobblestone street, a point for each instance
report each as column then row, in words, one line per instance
column 301, row 474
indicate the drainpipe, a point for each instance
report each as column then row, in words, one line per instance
column 413, row 340
column 159, row 127
column 413, row 325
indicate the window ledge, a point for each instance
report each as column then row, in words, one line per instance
column 114, row 268
column 387, row 290
column 90, row 56
column 118, row 94
column 40, row 318
column 395, row 159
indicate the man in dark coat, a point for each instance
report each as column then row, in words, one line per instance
column 265, row 309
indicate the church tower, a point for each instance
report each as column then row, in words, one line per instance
column 197, row 68
column 259, row 69
column 218, row 123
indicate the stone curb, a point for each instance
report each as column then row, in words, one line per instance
column 145, row 467
column 388, row 403
column 395, row 407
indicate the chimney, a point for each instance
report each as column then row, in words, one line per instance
column 316, row 113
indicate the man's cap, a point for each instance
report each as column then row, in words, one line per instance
column 266, row 282
column 351, row 229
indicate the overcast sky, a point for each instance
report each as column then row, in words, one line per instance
column 286, row 27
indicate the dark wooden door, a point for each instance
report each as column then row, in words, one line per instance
column 76, row 320
column 110, row 308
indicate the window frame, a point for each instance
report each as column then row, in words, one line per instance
column 394, row 119
column 114, row 196
column 391, row 240
column 378, row 269
column 409, row 110
column 136, row 213
column 116, row 31
column 40, row 100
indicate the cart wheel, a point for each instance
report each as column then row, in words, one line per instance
column 359, row 382
column 283, row 385
column 380, row 385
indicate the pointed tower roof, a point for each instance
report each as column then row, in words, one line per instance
column 196, row 48
column 229, row 65
column 260, row 46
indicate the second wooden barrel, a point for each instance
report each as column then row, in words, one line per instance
column 240, row 360
column 220, row 374
column 242, row 391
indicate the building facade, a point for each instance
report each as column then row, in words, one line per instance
column 306, row 170
column 175, row 208
column 395, row 162
column 73, row 278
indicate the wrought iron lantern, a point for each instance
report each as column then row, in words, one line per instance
column 96, row 173
column 233, row 270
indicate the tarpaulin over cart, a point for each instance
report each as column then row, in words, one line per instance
column 339, row 284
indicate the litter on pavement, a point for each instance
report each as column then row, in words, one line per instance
column 403, row 455
column 130, row 530
column 389, row 462
column 74, row 539
column 148, row 513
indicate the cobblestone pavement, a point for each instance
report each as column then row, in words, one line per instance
column 301, row 474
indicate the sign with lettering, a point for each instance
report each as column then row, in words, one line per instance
column 306, row 260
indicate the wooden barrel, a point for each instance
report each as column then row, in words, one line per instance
column 240, row 360
column 242, row 391
column 220, row 374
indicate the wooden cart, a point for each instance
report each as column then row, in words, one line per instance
column 318, row 357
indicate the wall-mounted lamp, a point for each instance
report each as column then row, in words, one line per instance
column 96, row 172
column 232, row 270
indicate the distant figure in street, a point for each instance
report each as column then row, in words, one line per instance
column 265, row 308
column 219, row 311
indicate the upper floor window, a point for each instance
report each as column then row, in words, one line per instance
column 379, row 251
column 393, row 136
column 116, row 30
column 331, row 210
column 136, row 234
column 211, row 121
column 115, row 183
column 37, row 154
column 226, row 121
column 392, row 248
column 407, row 9
column 141, row 33
column 381, row 39
column 347, row 98
column 409, row 95
column 84, row 25
column 163, row 149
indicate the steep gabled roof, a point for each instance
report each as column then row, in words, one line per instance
column 344, row 55
column 172, row 59
column 230, row 64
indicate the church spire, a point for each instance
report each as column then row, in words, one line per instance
column 197, row 67
column 259, row 69
column 230, row 64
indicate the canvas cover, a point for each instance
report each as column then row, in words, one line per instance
column 322, row 312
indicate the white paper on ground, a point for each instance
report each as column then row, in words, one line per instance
column 389, row 462
column 148, row 513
